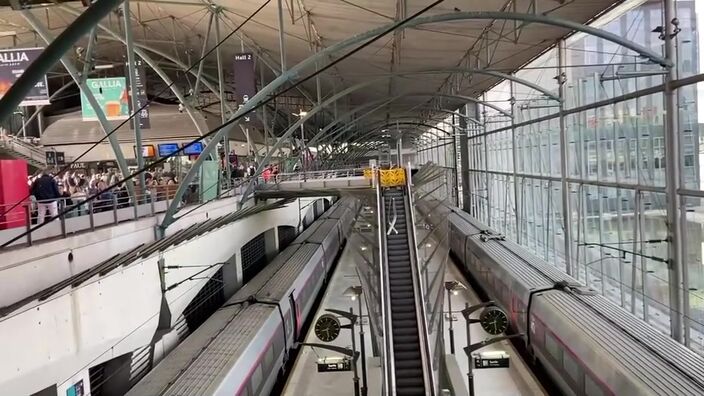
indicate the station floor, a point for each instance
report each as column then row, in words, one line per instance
column 305, row 380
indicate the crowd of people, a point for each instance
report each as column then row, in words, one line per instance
column 51, row 192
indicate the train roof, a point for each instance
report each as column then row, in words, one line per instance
column 199, row 363
column 636, row 356
column 279, row 284
column 326, row 227
column 646, row 352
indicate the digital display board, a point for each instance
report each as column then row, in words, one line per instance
column 167, row 149
column 194, row 149
column 147, row 151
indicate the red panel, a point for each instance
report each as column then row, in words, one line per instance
column 13, row 188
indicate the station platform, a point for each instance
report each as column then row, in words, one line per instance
column 305, row 380
column 516, row 380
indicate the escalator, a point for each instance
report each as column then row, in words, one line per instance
column 409, row 371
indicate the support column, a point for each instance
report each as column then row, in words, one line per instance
column 566, row 210
column 485, row 123
column 134, row 98
column 455, row 175
column 673, row 182
column 221, row 93
column 282, row 44
column 514, row 154
column 100, row 114
column 196, row 88
column 464, row 159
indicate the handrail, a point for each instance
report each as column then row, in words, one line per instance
column 420, row 292
column 388, row 358
column 26, row 149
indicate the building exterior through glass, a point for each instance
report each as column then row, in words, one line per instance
column 613, row 115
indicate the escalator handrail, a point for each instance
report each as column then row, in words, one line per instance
column 388, row 358
column 419, row 291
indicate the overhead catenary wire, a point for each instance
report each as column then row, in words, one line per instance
column 231, row 120
column 146, row 104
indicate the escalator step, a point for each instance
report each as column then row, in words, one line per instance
column 415, row 373
column 410, row 356
column 410, row 391
column 405, row 332
column 404, row 308
column 403, row 302
column 405, row 364
column 406, row 343
column 405, row 323
column 396, row 295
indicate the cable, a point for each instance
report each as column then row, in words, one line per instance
column 147, row 103
column 229, row 122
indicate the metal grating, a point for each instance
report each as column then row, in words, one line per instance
column 207, row 301
column 286, row 235
column 253, row 257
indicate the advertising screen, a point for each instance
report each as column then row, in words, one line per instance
column 147, row 151
column 167, row 149
column 194, row 149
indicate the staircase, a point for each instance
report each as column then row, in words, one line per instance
column 407, row 358
column 13, row 147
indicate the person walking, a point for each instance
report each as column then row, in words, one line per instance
column 46, row 191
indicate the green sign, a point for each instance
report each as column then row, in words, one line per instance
column 209, row 178
column 111, row 95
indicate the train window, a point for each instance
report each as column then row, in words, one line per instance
column 268, row 357
column 591, row 388
column 553, row 347
column 572, row 369
column 256, row 379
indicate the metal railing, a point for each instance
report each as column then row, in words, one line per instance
column 111, row 209
column 388, row 351
column 299, row 179
column 420, row 292
column 19, row 219
column 23, row 148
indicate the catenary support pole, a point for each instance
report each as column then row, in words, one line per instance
column 566, row 210
column 673, row 181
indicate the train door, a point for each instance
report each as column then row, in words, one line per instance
column 294, row 316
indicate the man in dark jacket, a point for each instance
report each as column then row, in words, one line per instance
column 46, row 191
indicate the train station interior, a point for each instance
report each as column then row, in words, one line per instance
column 351, row 197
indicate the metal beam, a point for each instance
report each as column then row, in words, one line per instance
column 53, row 54
column 497, row 74
column 221, row 94
column 134, row 94
column 204, row 49
column 100, row 114
column 155, row 66
column 294, row 73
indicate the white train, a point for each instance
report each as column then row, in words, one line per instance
column 588, row 345
column 242, row 347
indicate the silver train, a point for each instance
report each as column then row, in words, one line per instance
column 242, row 347
column 588, row 345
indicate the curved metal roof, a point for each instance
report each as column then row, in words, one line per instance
column 173, row 31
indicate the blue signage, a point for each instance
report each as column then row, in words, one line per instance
column 194, row 149
column 167, row 149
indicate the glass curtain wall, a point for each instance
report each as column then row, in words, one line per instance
column 615, row 168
